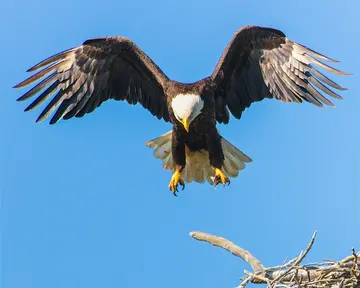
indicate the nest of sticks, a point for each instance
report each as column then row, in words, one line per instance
column 330, row 274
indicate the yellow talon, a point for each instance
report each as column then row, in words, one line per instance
column 220, row 177
column 175, row 181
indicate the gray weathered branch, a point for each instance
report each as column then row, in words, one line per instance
column 231, row 247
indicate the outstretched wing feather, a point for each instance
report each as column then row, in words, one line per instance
column 261, row 63
column 86, row 76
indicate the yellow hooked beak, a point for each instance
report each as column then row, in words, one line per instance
column 186, row 124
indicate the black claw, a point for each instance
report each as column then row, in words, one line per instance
column 175, row 194
column 183, row 187
column 217, row 181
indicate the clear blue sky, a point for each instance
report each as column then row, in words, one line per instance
column 84, row 202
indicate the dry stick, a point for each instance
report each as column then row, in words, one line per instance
column 246, row 281
column 338, row 266
column 256, row 278
column 298, row 260
column 281, row 267
column 352, row 257
column 313, row 274
column 231, row 247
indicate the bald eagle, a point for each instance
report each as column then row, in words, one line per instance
column 258, row 63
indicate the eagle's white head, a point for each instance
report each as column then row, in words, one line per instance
column 186, row 108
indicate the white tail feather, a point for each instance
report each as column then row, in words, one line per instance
column 198, row 166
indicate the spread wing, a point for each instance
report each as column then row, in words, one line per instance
column 262, row 63
column 82, row 78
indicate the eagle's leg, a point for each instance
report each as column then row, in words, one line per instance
column 220, row 177
column 175, row 181
column 216, row 157
column 179, row 158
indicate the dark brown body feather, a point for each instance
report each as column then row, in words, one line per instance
column 258, row 63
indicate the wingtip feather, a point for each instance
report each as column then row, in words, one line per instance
column 16, row 86
column 21, row 84
column 314, row 53
column 51, row 59
column 40, row 119
column 54, row 121
column 20, row 99
column 31, row 69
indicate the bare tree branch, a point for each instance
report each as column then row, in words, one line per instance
column 231, row 247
